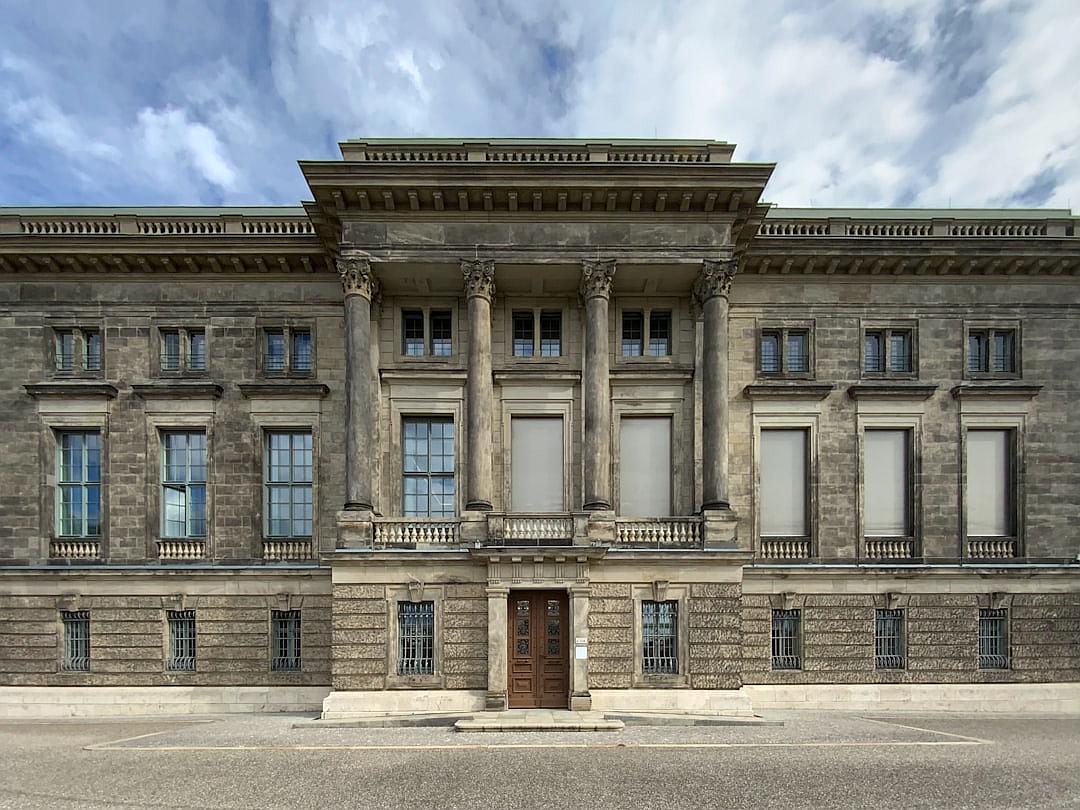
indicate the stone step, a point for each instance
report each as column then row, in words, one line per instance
column 538, row 720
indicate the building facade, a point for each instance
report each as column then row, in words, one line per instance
column 538, row 423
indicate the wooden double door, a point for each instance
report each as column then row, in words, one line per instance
column 539, row 657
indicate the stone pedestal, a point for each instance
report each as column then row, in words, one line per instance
column 355, row 528
column 719, row 528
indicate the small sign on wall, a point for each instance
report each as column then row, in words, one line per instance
column 581, row 649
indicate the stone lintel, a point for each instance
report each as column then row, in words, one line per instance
column 891, row 390
column 284, row 389
column 72, row 389
column 788, row 390
column 998, row 390
column 178, row 389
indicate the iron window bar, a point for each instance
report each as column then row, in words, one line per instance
column 889, row 639
column 786, row 652
column 660, row 637
column 993, row 638
column 181, row 641
column 286, row 641
column 76, row 640
column 416, row 638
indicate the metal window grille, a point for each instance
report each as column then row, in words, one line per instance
column 170, row 350
column 428, row 467
column 660, row 637
column 786, row 639
column 76, row 640
column 993, row 639
column 770, row 353
column 285, row 656
column 65, row 349
column 197, row 350
column 301, row 358
column 889, row 639
column 900, row 352
column 183, row 484
column 181, row 641
column 523, row 334
column 288, row 477
column 412, row 325
column 275, row 350
column 798, row 355
column 873, row 356
column 659, row 334
column 441, row 344
column 633, row 328
column 79, row 484
column 416, row 638
column 550, row 334
column 1004, row 357
column 977, row 351
column 91, row 350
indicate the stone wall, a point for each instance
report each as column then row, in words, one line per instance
column 464, row 641
column 611, row 636
column 715, row 635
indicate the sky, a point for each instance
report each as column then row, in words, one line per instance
column 929, row 103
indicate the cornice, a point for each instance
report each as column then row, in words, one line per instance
column 891, row 390
column 284, row 389
column 178, row 389
column 1003, row 390
column 788, row 390
column 71, row 389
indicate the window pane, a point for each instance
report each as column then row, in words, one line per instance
column 93, row 510
column 536, row 464
column 197, row 456
column 645, row 466
column 92, row 350
column 71, row 510
column 279, row 508
column 176, row 457
column 977, row 351
column 441, row 344
column 170, row 351
column 275, row 350
column 633, row 324
column 770, row 353
column 660, row 334
column 900, row 352
column 92, row 447
column 523, row 334
column 873, row 359
column 550, row 334
column 1004, row 352
column 301, row 350
column 428, row 486
column 65, row 350
column 783, row 483
column 175, row 511
column 197, row 358
column 301, row 511
column 989, row 483
column 798, row 355
column 196, row 511
column 301, row 457
column 412, row 323
column 886, row 480
column 71, row 457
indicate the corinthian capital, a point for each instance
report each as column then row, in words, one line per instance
column 714, row 279
column 357, row 278
column 596, row 277
column 479, row 277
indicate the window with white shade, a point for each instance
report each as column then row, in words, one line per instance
column 990, row 497
column 645, row 466
column 782, row 482
column 536, row 464
column 887, row 483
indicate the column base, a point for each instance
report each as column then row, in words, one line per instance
column 478, row 506
column 581, row 702
column 355, row 528
column 597, row 506
column 495, row 702
column 719, row 527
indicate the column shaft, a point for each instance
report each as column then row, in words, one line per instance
column 596, row 385
column 711, row 291
column 480, row 289
column 358, row 283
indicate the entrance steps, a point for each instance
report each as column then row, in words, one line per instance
column 538, row 720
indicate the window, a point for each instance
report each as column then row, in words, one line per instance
column 783, row 483
column 182, row 349
column 992, row 351
column 550, row 334
column 83, row 343
column 786, row 639
column 183, row 484
column 285, row 638
column 65, row 349
column 181, row 641
column 889, row 639
column 660, row 637
column 91, row 350
column 633, row 331
column 79, row 484
column 993, row 638
column 536, row 464
column 784, row 352
column 429, row 467
column 289, row 350
column 275, row 350
column 76, row 640
column 645, row 466
column 441, row 345
column 888, row 351
column 990, row 497
column 886, row 483
column 416, row 638
column 301, row 350
column 523, row 334
column 659, row 334
column 288, row 478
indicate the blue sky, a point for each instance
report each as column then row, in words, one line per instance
column 898, row 102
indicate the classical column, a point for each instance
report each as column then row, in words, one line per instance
column 359, row 284
column 711, row 293
column 497, row 663
column 596, row 386
column 479, row 291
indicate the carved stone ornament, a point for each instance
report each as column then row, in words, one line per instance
column 416, row 590
column 660, row 590
column 356, row 277
column 479, row 277
column 596, row 278
column 714, row 279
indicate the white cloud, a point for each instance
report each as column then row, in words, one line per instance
column 167, row 137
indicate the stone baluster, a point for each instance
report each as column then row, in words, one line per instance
column 479, row 291
column 596, row 282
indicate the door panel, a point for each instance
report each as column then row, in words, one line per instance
column 538, row 655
